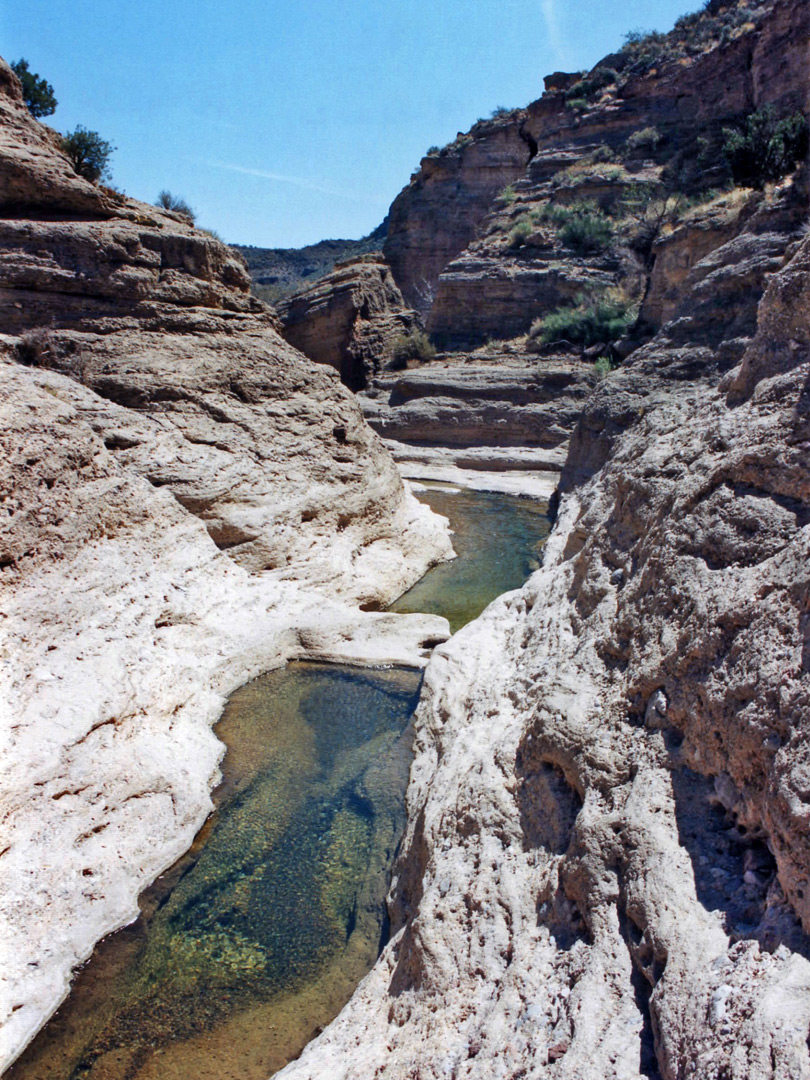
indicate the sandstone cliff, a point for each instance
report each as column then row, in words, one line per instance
column 351, row 319
column 435, row 217
column 476, row 241
column 708, row 73
column 605, row 871
column 186, row 502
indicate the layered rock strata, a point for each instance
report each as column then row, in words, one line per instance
column 445, row 213
column 606, row 867
column 477, row 401
column 352, row 319
column 501, row 284
column 186, row 502
column 436, row 215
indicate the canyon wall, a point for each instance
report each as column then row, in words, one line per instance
column 436, row 215
column 495, row 287
column 605, row 873
column 186, row 502
column 352, row 319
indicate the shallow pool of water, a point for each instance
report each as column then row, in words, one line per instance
column 258, row 936
column 277, row 913
column 497, row 539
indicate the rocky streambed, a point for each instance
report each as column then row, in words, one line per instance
column 257, row 937
column 606, row 866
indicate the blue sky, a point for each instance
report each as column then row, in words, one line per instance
column 284, row 122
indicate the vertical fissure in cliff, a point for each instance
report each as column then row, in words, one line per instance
column 530, row 141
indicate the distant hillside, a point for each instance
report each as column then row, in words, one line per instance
column 279, row 272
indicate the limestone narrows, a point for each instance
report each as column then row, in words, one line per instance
column 258, row 936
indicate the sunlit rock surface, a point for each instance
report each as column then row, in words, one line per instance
column 605, row 871
column 186, row 502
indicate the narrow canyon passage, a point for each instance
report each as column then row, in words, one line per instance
column 257, row 937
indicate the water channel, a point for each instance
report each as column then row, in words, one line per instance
column 257, row 937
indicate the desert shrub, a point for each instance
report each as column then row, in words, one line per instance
column 508, row 195
column 578, row 104
column 520, row 233
column 765, row 148
column 34, row 347
column 587, row 232
column 687, row 22
column 593, row 85
column 500, row 112
column 433, row 151
column 646, row 210
column 583, row 227
column 42, row 348
column 646, row 49
column 603, row 317
column 176, row 203
column 599, row 156
column 559, row 215
column 645, row 139
column 603, row 367
column 415, row 345
column 89, row 154
column 38, row 94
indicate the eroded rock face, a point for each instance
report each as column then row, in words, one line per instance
column 185, row 502
column 500, row 401
column 448, row 239
column 351, row 319
column 435, row 217
column 605, row 872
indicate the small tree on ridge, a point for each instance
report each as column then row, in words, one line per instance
column 88, row 152
column 37, row 93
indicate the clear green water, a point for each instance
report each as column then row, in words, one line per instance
column 258, row 936
column 497, row 539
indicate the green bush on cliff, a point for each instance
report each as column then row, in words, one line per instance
column 89, row 154
column 603, row 317
column 603, row 367
column 415, row 345
column 592, row 86
column 175, row 203
column 645, row 49
column 765, row 148
column 582, row 226
column 591, row 232
column 647, row 138
column 520, row 233
column 600, row 155
column 38, row 94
